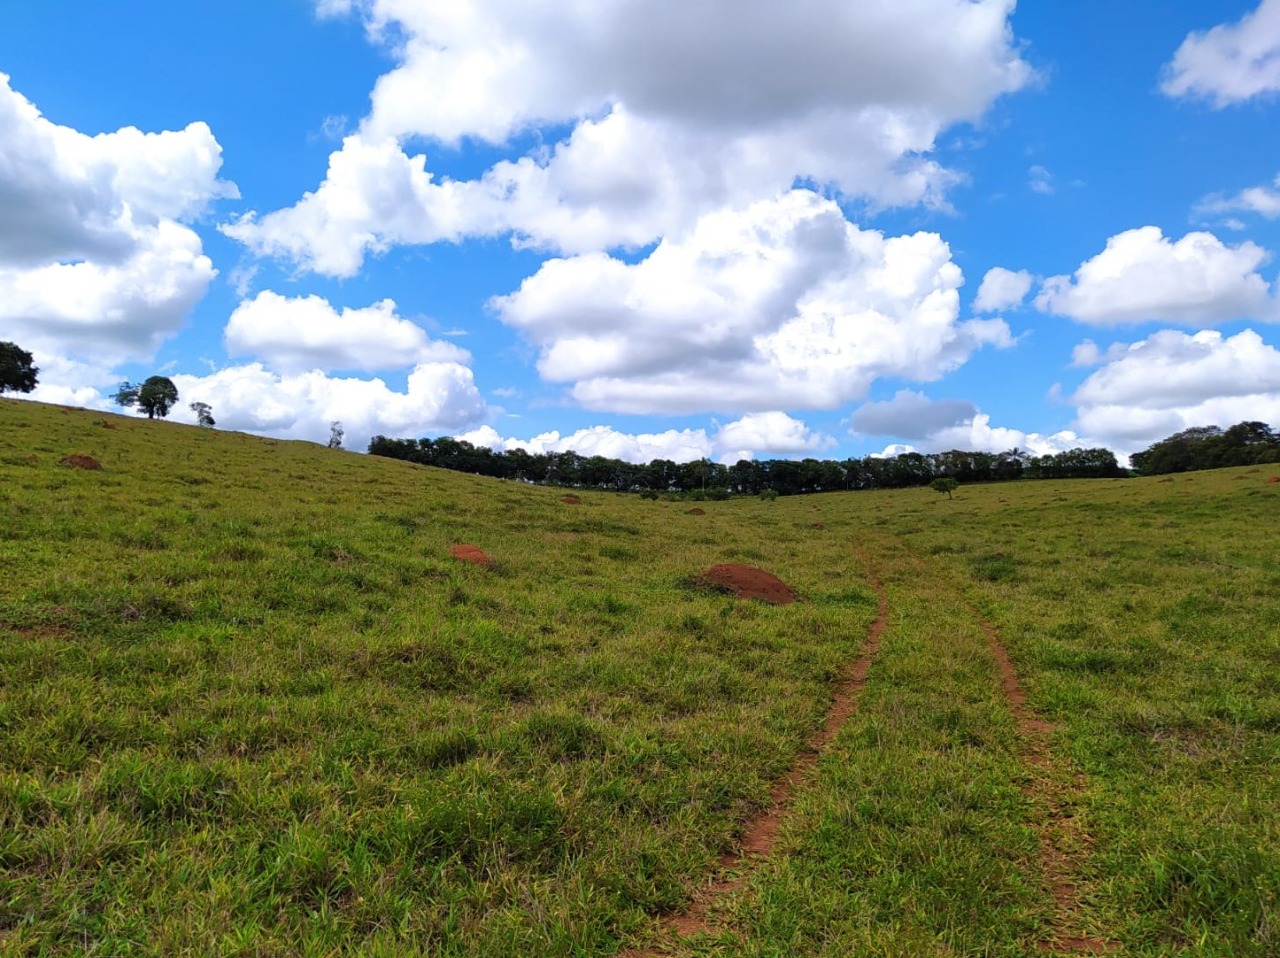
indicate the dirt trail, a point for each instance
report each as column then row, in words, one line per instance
column 762, row 832
column 1062, row 837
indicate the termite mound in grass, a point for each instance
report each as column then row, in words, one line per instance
column 472, row 554
column 80, row 462
column 697, row 511
column 747, row 582
column 571, row 501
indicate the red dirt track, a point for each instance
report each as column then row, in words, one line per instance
column 762, row 832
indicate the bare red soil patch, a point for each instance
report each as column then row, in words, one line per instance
column 762, row 832
column 696, row 511
column 1274, row 479
column 80, row 462
column 571, row 501
column 473, row 554
column 748, row 582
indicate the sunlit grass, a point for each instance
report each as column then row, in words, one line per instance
column 250, row 705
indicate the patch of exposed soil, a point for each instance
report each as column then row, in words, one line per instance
column 571, row 501
column 817, row 525
column 80, row 462
column 748, row 582
column 473, row 554
column 1274, row 479
column 1062, row 837
column 696, row 511
column 762, row 832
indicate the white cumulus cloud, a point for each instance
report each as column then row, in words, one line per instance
column 770, row 433
column 95, row 260
column 298, row 333
column 1174, row 380
column 671, row 112
column 678, row 445
column 1143, row 276
column 784, row 303
column 1230, row 63
column 1002, row 289
column 439, row 397
column 942, row 425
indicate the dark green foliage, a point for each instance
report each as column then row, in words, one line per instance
column 204, row 414
column 155, row 397
column 945, row 484
column 703, row 479
column 1209, row 447
column 17, row 372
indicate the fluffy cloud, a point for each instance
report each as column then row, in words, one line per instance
column 684, row 445
column 1002, row 289
column 663, row 125
column 978, row 435
column 1262, row 200
column 293, row 334
column 94, row 259
column 1143, row 276
column 439, row 397
column 1173, row 380
column 781, row 304
column 938, row 426
column 1230, row 63
column 911, row 415
column 755, row 435
column 773, row 433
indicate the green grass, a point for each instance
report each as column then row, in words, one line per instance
column 250, row 706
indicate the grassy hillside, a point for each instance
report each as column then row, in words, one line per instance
column 249, row 704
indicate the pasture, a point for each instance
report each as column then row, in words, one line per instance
column 250, row 704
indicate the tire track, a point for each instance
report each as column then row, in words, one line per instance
column 1062, row 837
column 1064, row 841
column 762, row 831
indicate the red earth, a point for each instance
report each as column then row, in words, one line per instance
column 80, row 462
column 472, row 554
column 747, row 582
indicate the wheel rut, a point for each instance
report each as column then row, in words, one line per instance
column 1063, row 839
column 761, row 834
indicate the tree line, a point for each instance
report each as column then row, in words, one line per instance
column 1209, row 447
column 746, row 476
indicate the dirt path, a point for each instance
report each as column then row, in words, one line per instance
column 762, row 832
column 1063, row 840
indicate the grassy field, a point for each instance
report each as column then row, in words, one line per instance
column 249, row 705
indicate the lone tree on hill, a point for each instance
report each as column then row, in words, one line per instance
column 204, row 414
column 17, row 374
column 945, row 484
column 155, row 397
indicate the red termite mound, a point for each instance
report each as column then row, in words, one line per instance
column 747, row 582
column 571, row 501
column 80, row 462
column 472, row 554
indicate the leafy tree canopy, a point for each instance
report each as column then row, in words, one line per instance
column 156, row 396
column 17, row 371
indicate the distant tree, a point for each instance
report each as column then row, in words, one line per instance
column 156, row 396
column 17, row 374
column 204, row 414
column 336, row 432
column 945, row 484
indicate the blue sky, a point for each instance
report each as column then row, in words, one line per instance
column 641, row 229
